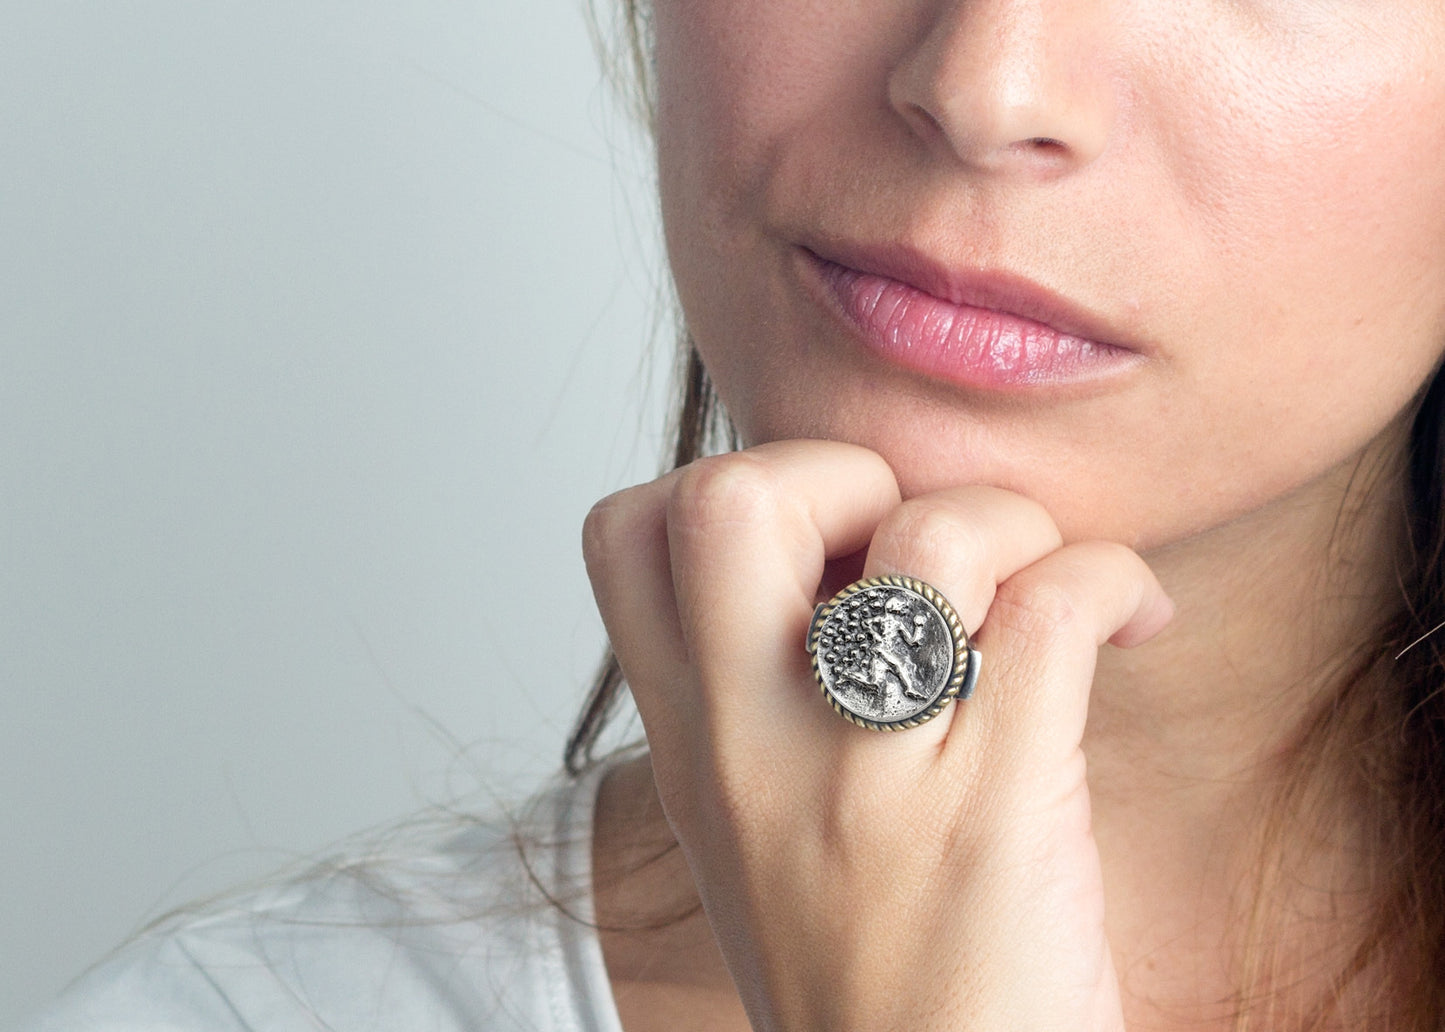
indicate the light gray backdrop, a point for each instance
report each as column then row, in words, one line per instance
column 321, row 325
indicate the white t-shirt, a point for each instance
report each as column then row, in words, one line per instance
column 440, row 930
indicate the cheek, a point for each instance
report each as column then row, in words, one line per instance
column 711, row 97
column 702, row 83
column 736, row 82
column 1314, row 182
column 739, row 82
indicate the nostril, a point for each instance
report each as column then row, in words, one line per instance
column 926, row 118
column 1039, row 151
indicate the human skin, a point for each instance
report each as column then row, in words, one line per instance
column 1247, row 195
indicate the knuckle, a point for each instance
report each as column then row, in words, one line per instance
column 722, row 491
column 1114, row 553
column 1035, row 608
column 608, row 524
column 923, row 531
column 598, row 527
column 1041, row 519
column 1020, row 508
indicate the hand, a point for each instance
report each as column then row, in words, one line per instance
column 943, row 877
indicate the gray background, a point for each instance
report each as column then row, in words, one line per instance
column 321, row 326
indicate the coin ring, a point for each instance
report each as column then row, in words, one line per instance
column 890, row 653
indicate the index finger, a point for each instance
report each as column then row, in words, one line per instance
column 749, row 533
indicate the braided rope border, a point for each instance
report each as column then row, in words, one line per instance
column 966, row 658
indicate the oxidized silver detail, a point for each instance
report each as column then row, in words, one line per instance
column 890, row 653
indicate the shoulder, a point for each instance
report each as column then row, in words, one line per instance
column 445, row 924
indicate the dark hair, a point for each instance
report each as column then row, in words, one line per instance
column 1414, row 731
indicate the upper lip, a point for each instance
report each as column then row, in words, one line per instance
column 997, row 289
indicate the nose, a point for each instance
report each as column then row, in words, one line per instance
column 1021, row 87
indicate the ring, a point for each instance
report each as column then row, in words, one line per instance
column 890, row 653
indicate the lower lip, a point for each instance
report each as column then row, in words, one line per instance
column 971, row 347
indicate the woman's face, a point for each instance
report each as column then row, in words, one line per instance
column 1153, row 264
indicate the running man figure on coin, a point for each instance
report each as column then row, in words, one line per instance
column 890, row 653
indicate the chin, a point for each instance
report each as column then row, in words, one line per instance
column 1081, row 491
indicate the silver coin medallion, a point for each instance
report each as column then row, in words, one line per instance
column 890, row 653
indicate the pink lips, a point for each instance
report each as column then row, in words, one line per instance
column 983, row 339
